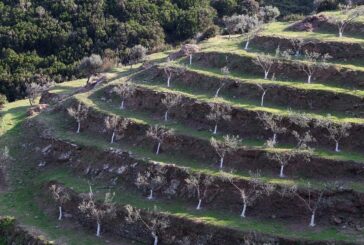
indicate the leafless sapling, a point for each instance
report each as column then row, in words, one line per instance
column 226, row 146
column 80, row 114
column 335, row 131
column 265, row 62
column 219, row 113
column 169, row 70
column 264, row 91
column 251, row 193
column 225, row 71
column 313, row 63
column 199, row 185
column 170, row 101
column 312, row 199
column 125, row 91
column 189, row 50
column 151, row 180
column 350, row 16
column 159, row 133
column 116, row 125
column 283, row 159
column 60, row 196
column 98, row 212
column 272, row 122
column 156, row 224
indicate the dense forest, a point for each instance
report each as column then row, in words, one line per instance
column 46, row 39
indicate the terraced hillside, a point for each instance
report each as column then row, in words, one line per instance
column 200, row 149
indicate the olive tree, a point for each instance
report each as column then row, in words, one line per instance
column 227, row 145
column 125, row 91
column 60, row 196
column 225, row 71
column 272, row 122
column 198, row 185
column 158, row 133
column 313, row 63
column 170, row 101
column 152, row 180
column 189, row 50
column 334, row 131
column 350, row 15
column 251, row 192
column 91, row 65
column 116, row 125
column 33, row 90
column 265, row 62
column 156, row 224
column 264, row 91
column 218, row 113
column 169, row 70
column 98, row 212
column 253, row 26
column 80, row 114
column 137, row 54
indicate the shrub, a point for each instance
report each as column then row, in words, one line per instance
column 325, row 5
column 3, row 100
column 294, row 17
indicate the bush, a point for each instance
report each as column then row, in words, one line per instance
column 325, row 5
column 269, row 13
column 294, row 17
column 3, row 100
column 210, row 32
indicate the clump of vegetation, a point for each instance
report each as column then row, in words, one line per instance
column 3, row 100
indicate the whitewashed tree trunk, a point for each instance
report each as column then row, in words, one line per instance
column 312, row 222
column 166, row 116
column 78, row 127
column 122, row 105
column 297, row 53
column 190, row 59
column 247, row 44
column 199, row 204
column 243, row 211
column 262, row 100
column 60, row 213
column 266, row 73
column 150, row 197
column 337, row 146
column 281, row 174
column 112, row 137
column 155, row 238
column 169, row 81
column 158, row 148
column 217, row 92
column 309, row 78
column 215, row 129
column 341, row 32
column 274, row 139
column 221, row 163
column 98, row 229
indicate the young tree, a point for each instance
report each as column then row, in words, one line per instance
column 125, row 91
column 156, row 225
column 350, row 16
column 116, row 125
column 33, row 90
column 252, row 193
column 169, row 70
column 151, row 180
column 96, row 211
column 310, row 199
column 219, row 113
column 313, row 63
column 254, row 26
column 283, row 159
column 227, row 145
column 225, row 71
column 265, row 62
column 60, row 196
column 296, row 46
column 189, row 50
column 335, row 132
column 159, row 133
column 170, row 101
column 80, row 114
column 264, row 91
column 137, row 54
column 198, row 185
column 89, row 66
column 271, row 122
